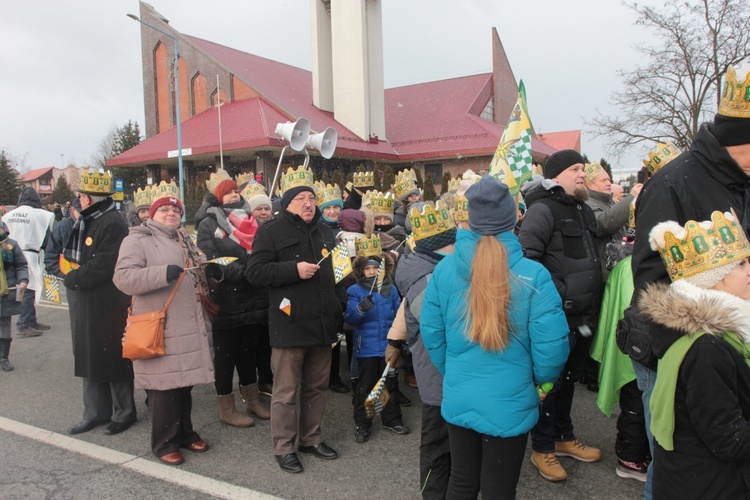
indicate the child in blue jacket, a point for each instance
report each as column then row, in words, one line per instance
column 371, row 313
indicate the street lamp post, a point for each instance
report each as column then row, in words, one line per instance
column 177, row 103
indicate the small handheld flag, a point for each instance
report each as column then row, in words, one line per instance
column 342, row 264
column 379, row 396
column 51, row 288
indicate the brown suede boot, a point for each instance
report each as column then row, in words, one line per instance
column 249, row 394
column 229, row 415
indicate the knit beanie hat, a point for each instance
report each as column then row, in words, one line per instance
column 224, row 187
column 731, row 131
column 165, row 201
column 331, row 203
column 258, row 200
column 561, row 161
column 492, row 210
column 291, row 193
column 440, row 240
column 352, row 221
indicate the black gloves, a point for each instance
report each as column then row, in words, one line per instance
column 365, row 304
column 173, row 272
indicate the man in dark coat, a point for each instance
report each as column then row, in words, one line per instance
column 559, row 231
column 101, row 311
column 305, row 310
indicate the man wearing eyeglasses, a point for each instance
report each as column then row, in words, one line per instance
column 305, row 311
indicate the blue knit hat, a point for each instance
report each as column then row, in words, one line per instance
column 492, row 209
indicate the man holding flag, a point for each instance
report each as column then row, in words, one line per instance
column 291, row 256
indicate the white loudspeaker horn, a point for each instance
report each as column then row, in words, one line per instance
column 295, row 134
column 325, row 142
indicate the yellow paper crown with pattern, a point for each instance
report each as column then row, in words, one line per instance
column 368, row 247
column 363, row 179
column 251, row 189
column 216, row 178
column 454, row 184
column 406, row 182
column 379, row 203
column 96, row 182
column 301, row 177
column 142, row 197
column 325, row 193
column 660, row 156
column 431, row 221
column 700, row 246
column 165, row 190
column 592, row 170
column 735, row 93
column 243, row 178
column 460, row 208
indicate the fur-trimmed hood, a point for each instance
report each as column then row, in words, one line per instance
column 358, row 266
column 686, row 309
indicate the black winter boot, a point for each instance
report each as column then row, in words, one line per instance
column 4, row 351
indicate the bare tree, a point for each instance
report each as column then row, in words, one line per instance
column 677, row 88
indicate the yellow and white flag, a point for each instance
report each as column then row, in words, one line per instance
column 51, row 288
column 342, row 263
column 511, row 163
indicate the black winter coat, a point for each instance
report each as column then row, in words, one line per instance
column 560, row 233
column 239, row 302
column 316, row 303
column 692, row 186
column 16, row 271
column 102, row 309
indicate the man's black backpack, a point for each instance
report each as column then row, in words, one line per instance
column 634, row 338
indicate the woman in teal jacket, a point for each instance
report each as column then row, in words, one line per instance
column 493, row 324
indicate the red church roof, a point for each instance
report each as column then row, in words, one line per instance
column 569, row 139
column 33, row 175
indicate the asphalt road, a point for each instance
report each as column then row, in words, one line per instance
column 41, row 398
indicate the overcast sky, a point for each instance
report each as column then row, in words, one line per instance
column 71, row 69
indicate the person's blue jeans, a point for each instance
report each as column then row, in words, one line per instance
column 27, row 318
column 646, row 379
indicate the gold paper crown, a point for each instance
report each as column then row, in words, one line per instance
column 296, row 178
column 368, row 247
column 252, row 189
column 243, row 178
column 326, row 192
column 142, row 197
column 592, row 170
column 380, row 203
column 363, row 179
column 460, row 208
column 454, row 184
column 431, row 222
column 405, row 183
column 702, row 246
column 96, row 182
column 164, row 190
column 660, row 156
column 735, row 95
column 216, row 178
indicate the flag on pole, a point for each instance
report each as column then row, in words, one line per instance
column 379, row 396
column 511, row 163
column 222, row 261
column 381, row 273
column 342, row 263
column 51, row 288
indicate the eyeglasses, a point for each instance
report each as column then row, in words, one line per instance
column 304, row 199
column 167, row 208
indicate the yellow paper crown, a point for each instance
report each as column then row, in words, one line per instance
column 592, row 170
column 431, row 222
column 660, row 156
column 368, row 247
column 453, row 184
column 735, row 94
column 296, row 178
column 380, row 203
column 216, row 178
column 252, row 189
column 243, row 178
column 405, row 183
column 700, row 246
column 363, row 179
column 325, row 193
column 460, row 208
column 142, row 197
column 96, row 182
column 165, row 190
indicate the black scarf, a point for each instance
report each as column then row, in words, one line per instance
column 74, row 245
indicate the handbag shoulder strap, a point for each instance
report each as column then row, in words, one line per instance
column 174, row 291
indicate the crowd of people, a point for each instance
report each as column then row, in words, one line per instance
column 495, row 305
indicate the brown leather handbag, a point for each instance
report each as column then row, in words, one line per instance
column 144, row 333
